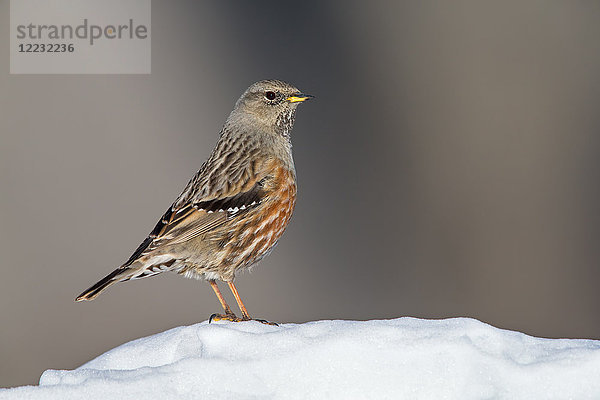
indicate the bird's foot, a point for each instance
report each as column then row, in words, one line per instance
column 233, row 318
column 225, row 317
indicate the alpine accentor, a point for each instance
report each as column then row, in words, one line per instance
column 235, row 209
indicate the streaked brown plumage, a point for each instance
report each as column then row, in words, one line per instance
column 235, row 209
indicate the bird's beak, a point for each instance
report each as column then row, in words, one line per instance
column 296, row 97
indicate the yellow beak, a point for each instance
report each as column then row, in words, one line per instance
column 299, row 97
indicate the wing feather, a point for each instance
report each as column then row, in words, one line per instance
column 186, row 220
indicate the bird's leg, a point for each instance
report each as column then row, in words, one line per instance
column 245, row 315
column 229, row 315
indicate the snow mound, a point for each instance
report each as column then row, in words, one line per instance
column 404, row 358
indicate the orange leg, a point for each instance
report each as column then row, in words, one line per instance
column 228, row 311
column 245, row 314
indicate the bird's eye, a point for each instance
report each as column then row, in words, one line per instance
column 270, row 95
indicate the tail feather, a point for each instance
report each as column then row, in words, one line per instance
column 123, row 273
column 99, row 287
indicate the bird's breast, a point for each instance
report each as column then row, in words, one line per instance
column 259, row 229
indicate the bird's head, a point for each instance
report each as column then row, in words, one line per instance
column 271, row 104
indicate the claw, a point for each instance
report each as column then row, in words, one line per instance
column 264, row 321
column 234, row 318
column 227, row 317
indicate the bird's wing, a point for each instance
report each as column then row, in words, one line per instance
column 201, row 210
column 205, row 215
column 198, row 210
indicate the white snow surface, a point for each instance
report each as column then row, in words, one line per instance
column 403, row 358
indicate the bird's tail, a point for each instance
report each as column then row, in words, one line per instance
column 118, row 275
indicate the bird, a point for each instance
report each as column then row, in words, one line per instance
column 235, row 209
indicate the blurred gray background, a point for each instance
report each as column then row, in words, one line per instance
column 448, row 167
